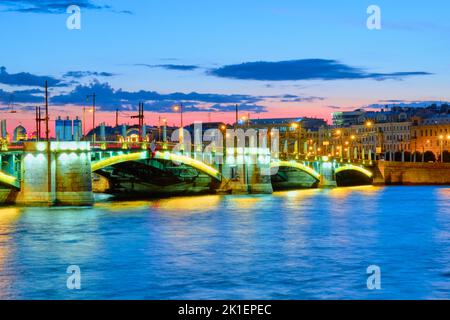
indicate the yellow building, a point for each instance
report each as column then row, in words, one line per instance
column 431, row 137
column 383, row 137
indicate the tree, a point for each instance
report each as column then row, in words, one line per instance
column 398, row 156
column 417, row 155
column 429, row 156
column 446, row 156
column 407, row 156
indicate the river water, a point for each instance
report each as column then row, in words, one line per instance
column 305, row 244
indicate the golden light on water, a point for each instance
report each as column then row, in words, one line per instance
column 187, row 204
column 344, row 192
column 245, row 202
column 296, row 194
column 125, row 205
column 8, row 217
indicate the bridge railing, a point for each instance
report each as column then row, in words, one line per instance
column 199, row 149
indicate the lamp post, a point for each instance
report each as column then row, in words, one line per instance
column 296, row 127
column 423, row 149
column 84, row 122
column 179, row 108
column 369, row 124
column 441, row 144
column 93, row 114
column 339, row 143
column 352, row 139
column 347, row 150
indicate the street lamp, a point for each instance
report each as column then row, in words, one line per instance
column 347, row 150
column 338, row 133
column 179, row 108
column 441, row 140
column 423, row 149
column 369, row 124
column 352, row 139
column 84, row 119
column 245, row 120
column 93, row 114
column 296, row 127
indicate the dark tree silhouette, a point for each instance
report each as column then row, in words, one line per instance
column 429, row 156
column 446, row 156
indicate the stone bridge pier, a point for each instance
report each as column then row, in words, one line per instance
column 327, row 175
column 56, row 173
column 247, row 170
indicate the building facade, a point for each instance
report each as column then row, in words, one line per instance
column 431, row 136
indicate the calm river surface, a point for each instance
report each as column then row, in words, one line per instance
column 306, row 244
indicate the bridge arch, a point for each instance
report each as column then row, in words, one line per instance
column 348, row 167
column 296, row 165
column 8, row 180
column 169, row 156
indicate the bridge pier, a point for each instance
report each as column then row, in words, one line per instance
column 245, row 179
column 233, row 179
column 327, row 175
column 239, row 177
column 56, row 173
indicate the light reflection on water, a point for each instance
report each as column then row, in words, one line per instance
column 305, row 244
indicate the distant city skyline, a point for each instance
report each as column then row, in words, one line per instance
column 272, row 59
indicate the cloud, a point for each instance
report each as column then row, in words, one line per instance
column 306, row 69
column 167, row 107
column 27, row 79
column 53, row 6
column 393, row 101
column 292, row 98
column 109, row 99
column 82, row 74
column 22, row 96
column 179, row 67
column 404, row 103
column 232, row 108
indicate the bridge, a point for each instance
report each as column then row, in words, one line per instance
column 65, row 172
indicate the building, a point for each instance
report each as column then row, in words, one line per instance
column 389, row 114
column 348, row 118
column 130, row 133
column 431, row 134
column 20, row 133
column 67, row 129
column 59, row 129
column 3, row 130
column 77, row 129
column 383, row 137
column 273, row 122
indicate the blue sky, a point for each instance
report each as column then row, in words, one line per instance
column 324, row 47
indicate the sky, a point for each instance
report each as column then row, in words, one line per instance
column 285, row 58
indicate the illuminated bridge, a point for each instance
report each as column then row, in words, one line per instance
column 69, row 172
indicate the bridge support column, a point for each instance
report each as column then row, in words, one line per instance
column 56, row 173
column 246, row 178
column 259, row 178
column 73, row 175
column 234, row 179
column 327, row 176
column 378, row 176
